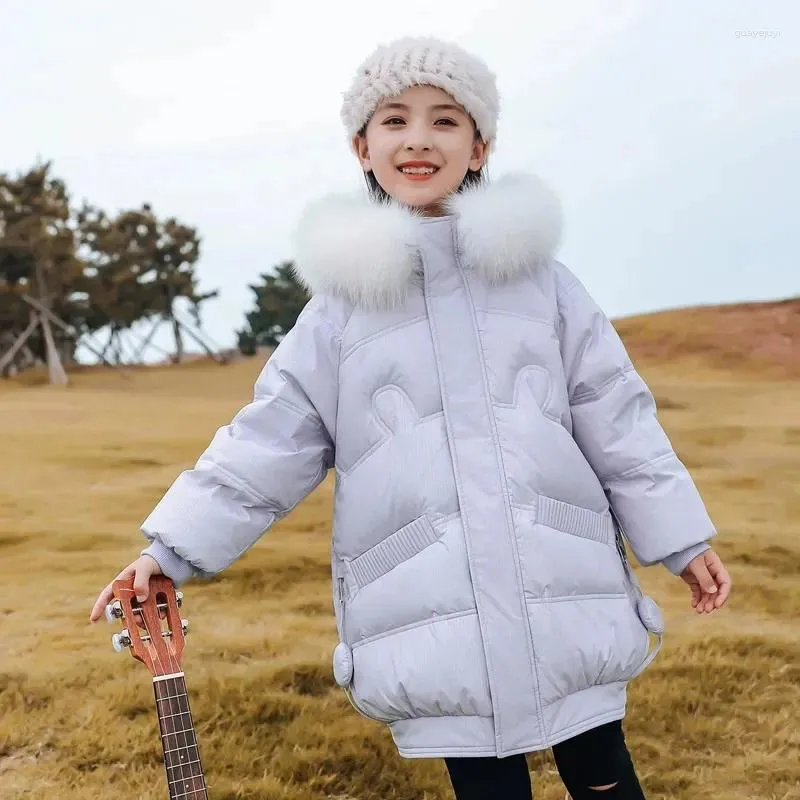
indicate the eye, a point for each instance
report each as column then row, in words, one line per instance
column 394, row 121
column 446, row 121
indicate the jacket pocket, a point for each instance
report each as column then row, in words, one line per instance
column 343, row 659
column 359, row 572
column 577, row 521
column 393, row 551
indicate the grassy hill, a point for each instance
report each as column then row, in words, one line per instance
column 715, row 717
column 762, row 338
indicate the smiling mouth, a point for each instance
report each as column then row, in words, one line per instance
column 418, row 170
column 418, row 173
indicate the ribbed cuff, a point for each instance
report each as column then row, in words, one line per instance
column 177, row 569
column 677, row 562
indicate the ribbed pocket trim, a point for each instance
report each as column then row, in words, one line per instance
column 575, row 520
column 394, row 550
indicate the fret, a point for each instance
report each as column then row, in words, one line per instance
column 175, row 746
column 173, row 791
column 172, row 697
column 192, row 776
column 171, row 745
column 172, row 762
column 179, row 730
column 178, row 714
column 180, row 766
column 189, row 749
column 179, row 749
column 173, row 721
column 189, row 785
column 190, row 792
column 194, row 782
column 189, row 739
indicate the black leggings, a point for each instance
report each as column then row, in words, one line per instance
column 598, row 757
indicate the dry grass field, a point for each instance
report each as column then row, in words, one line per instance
column 715, row 717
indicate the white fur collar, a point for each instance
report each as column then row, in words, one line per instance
column 351, row 246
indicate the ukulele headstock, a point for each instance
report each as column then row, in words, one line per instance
column 153, row 630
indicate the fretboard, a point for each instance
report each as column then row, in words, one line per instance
column 181, row 754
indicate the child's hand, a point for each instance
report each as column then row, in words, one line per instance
column 709, row 581
column 141, row 569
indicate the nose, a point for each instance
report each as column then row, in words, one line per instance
column 417, row 138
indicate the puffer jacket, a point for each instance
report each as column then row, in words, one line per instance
column 493, row 449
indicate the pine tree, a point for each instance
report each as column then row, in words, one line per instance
column 279, row 300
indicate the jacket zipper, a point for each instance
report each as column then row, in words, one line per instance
column 619, row 538
column 342, row 592
column 636, row 587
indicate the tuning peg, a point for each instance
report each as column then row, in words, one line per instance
column 114, row 611
column 121, row 640
column 185, row 626
column 179, row 598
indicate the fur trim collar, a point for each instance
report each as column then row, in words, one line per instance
column 348, row 245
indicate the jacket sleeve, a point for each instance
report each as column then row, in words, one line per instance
column 275, row 451
column 614, row 423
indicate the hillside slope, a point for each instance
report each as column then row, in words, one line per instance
column 752, row 336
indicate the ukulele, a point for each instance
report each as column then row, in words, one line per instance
column 155, row 636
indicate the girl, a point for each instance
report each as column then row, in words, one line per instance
column 492, row 445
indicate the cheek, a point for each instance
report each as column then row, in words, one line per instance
column 381, row 152
column 379, row 145
column 382, row 160
column 458, row 150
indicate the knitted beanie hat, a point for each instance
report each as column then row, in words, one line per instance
column 422, row 61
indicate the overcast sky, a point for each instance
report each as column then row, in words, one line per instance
column 670, row 130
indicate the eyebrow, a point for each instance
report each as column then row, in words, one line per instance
column 437, row 107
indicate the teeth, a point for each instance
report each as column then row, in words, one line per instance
column 418, row 170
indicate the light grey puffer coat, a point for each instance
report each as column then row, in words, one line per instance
column 490, row 438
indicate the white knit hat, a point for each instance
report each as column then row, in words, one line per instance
column 422, row 61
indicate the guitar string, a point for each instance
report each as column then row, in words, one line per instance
column 172, row 694
column 156, row 658
column 174, row 669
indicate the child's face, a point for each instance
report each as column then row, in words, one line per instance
column 423, row 125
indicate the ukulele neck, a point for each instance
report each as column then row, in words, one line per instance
column 185, row 777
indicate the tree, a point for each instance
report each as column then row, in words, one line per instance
column 279, row 300
column 37, row 258
column 66, row 273
column 137, row 267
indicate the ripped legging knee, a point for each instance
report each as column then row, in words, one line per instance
column 594, row 765
column 598, row 758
